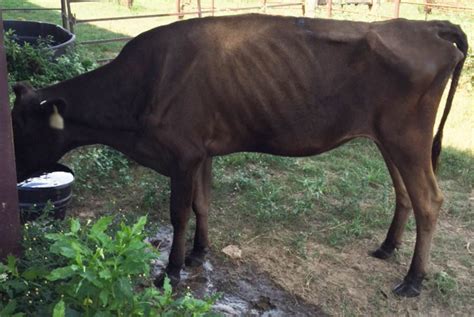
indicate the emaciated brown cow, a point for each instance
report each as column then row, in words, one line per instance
column 178, row 95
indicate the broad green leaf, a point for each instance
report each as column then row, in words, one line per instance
column 167, row 286
column 54, row 236
column 92, row 278
column 125, row 286
column 136, row 245
column 138, row 227
column 105, row 274
column 59, row 309
column 11, row 264
column 68, row 252
column 75, row 225
column 80, row 247
column 33, row 273
column 104, row 296
column 101, row 225
column 61, row 273
column 104, row 239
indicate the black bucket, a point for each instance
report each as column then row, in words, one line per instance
column 31, row 31
column 49, row 189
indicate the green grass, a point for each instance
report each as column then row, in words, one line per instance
column 308, row 192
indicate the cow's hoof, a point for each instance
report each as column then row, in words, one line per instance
column 160, row 279
column 195, row 259
column 383, row 252
column 408, row 289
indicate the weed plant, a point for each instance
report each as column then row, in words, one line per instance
column 92, row 269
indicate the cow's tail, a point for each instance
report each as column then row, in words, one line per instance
column 457, row 36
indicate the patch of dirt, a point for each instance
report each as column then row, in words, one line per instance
column 335, row 280
column 349, row 281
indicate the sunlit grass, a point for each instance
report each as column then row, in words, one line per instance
column 459, row 130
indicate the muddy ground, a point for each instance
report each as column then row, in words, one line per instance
column 244, row 289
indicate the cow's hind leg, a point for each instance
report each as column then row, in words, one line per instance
column 201, row 203
column 402, row 212
column 414, row 164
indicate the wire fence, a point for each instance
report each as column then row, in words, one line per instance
column 201, row 8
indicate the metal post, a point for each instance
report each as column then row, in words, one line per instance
column 396, row 8
column 10, row 229
column 213, row 7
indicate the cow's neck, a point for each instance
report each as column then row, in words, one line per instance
column 101, row 107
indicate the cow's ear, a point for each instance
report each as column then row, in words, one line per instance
column 22, row 88
column 55, row 110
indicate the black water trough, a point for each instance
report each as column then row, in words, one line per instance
column 31, row 31
column 50, row 187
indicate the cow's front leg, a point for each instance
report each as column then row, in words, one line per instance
column 201, row 202
column 182, row 189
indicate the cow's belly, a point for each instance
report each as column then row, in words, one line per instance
column 297, row 133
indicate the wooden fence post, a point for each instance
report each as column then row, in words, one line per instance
column 10, row 228
column 70, row 16
column 64, row 14
column 329, row 8
column 396, row 8
column 309, row 8
column 199, row 8
column 179, row 9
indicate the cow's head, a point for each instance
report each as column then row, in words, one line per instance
column 38, row 129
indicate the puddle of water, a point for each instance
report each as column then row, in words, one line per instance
column 244, row 291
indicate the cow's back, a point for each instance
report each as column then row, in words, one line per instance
column 277, row 83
